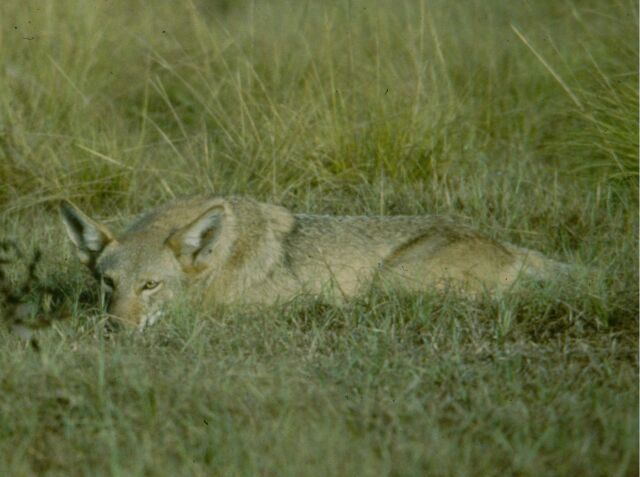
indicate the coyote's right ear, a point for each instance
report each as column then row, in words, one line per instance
column 89, row 237
column 200, row 242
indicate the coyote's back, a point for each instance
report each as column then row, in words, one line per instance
column 237, row 250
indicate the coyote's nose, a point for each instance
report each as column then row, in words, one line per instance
column 125, row 310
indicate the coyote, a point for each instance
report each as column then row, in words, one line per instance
column 238, row 251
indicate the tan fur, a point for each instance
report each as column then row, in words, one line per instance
column 237, row 250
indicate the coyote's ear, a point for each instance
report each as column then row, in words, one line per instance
column 89, row 237
column 195, row 244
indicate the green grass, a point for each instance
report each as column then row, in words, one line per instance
column 519, row 118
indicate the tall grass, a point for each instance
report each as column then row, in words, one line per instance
column 287, row 98
column 520, row 118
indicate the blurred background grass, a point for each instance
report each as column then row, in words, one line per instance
column 126, row 102
column 519, row 117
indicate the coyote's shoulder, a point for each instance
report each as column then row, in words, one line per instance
column 238, row 250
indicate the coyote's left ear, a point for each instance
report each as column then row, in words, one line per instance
column 89, row 237
column 196, row 244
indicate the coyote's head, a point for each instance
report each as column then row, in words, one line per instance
column 215, row 241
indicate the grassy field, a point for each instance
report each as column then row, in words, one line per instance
column 520, row 118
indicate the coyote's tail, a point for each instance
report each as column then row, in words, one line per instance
column 536, row 265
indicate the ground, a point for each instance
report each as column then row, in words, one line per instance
column 518, row 118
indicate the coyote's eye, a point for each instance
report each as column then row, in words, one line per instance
column 150, row 285
column 108, row 281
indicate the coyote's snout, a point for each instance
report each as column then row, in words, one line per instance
column 237, row 250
